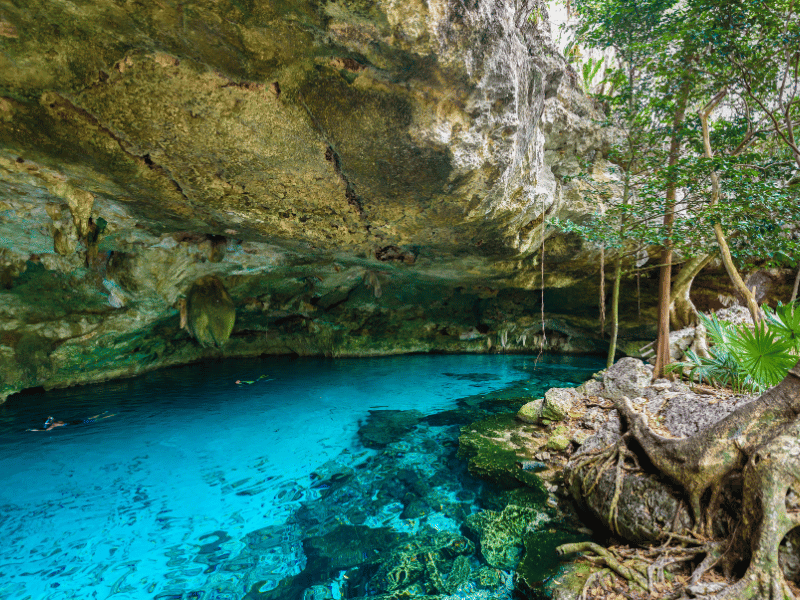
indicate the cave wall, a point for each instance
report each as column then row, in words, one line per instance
column 362, row 177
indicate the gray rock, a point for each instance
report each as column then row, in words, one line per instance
column 688, row 413
column 591, row 388
column 627, row 377
column 557, row 403
column 679, row 341
column 647, row 506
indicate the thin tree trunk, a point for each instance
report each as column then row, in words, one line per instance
column 612, row 346
column 602, row 291
column 665, row 273
column 796, row 285
column 725, row 252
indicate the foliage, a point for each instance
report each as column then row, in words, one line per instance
column 744, row 358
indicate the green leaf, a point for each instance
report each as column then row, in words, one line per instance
column 762, row 353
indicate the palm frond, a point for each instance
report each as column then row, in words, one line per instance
column 785, row 320
column 762, row 353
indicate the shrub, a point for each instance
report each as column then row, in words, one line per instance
column 744, row 358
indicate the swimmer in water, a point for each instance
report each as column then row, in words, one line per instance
column 51, row 423
column 242, row 382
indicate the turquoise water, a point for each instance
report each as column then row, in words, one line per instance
column 202, row 488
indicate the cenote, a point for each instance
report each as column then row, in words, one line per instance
column 307, row 479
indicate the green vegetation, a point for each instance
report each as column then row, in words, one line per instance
column 743, row 358
column 705, row 100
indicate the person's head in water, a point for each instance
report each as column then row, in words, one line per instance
column 51, row 423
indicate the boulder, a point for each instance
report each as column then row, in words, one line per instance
column 559, row 439
column 531, row 412
column 557, row 404
column 627, row 377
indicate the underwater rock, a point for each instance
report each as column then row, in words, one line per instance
column 349, row 546
column 414, row 507
column 500, row 535
column 210, row 313
column 386, row 426
column 428, row 564
column 540, row 563
column 497, row 447
column 568, row 583
column 318, row 592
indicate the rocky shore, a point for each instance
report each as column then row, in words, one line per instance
column 552, row 443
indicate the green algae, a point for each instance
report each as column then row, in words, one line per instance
column 493, row 460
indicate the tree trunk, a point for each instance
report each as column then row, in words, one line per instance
column 725, row 252
column 612, row 345
column 682, row 312
column 665, row 273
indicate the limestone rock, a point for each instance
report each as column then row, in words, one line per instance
column 293, row 150
column 210, row 313
column 627, row 377
column 557, row 404
column 591, row 388
column 679, row 341
column 500, row 535
column 559, row 439
column 531, row 412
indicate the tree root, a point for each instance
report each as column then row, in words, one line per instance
column 643, row 568
column 596, row 576
column 754, row 453
column 600, row 462
column 610, row 559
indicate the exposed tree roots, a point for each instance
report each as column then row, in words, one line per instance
column 757, row 445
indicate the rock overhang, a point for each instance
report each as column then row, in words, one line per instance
column 417, row 149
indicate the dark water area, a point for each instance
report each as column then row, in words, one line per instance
column 274, row 478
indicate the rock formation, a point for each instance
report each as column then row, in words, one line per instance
column 293, row 150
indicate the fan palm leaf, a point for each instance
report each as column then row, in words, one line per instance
column 762, row 353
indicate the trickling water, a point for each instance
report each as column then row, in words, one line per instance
column 199, row 487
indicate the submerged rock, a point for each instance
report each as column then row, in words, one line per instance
column 500, row 535
column 349, row 546
column 430, row 564
column 386, row 426
column 497, row 447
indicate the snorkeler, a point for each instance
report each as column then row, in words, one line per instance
column 242, row 382
column 51, row 423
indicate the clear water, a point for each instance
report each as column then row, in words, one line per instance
column 199, row 487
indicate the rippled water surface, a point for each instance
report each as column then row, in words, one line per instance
column 199, row 487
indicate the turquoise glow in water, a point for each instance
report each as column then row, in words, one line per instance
column 165, row 498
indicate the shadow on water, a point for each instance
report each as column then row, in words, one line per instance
column 306, row 479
